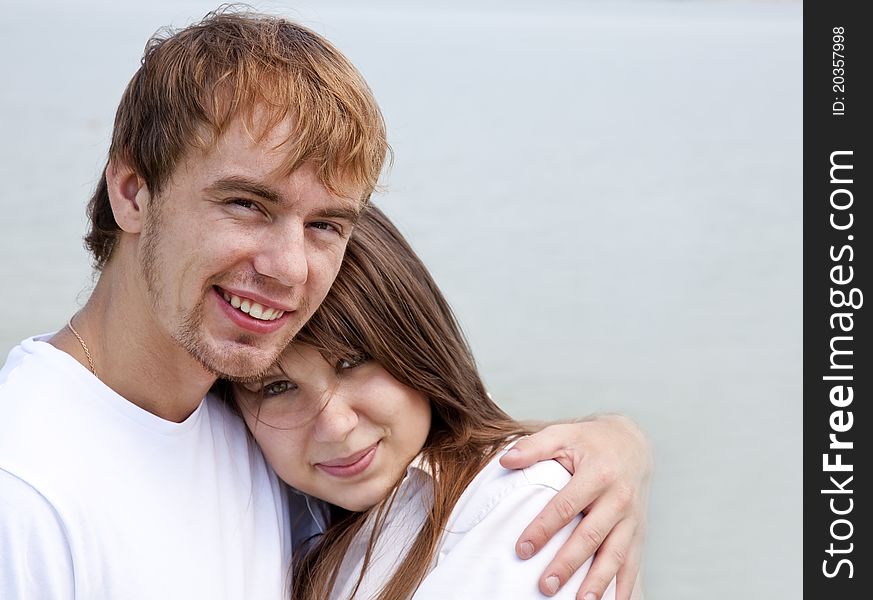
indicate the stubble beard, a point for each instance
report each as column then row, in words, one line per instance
column 245, row 364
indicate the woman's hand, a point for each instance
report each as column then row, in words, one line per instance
column 611, row 463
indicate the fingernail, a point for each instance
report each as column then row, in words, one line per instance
column 512, row 451
column 552, row 583
column 526, row 549
column 590, row 596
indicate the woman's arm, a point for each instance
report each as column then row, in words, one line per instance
column 611, row 463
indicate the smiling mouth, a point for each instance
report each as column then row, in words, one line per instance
column 250, row 307
column 349, row 466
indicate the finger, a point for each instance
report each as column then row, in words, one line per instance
column 628, row 577
column 579, row 547
column 609, row 559
column 637, row 594
column 565, row 506
column 535, row 448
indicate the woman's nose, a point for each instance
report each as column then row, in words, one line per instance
column 336, row 420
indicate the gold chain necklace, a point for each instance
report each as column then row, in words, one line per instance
column 84, row 347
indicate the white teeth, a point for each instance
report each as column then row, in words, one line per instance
column 256, row 311
column 253, row 309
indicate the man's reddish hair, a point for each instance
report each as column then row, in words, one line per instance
column 194, row 82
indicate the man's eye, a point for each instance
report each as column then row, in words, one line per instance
column 277, row 388
column 242, row 202
column 324, row 226
column 351, row 363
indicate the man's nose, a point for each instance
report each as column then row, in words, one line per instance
column 283, row 255
column 336, row 420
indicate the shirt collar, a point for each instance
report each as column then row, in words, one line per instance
column 419, row 467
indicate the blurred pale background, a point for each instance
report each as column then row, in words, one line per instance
column 608, row 193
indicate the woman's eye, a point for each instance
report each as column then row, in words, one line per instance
column 278, row 387
column 351, row 363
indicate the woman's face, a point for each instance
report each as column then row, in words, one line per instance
column 344, row 433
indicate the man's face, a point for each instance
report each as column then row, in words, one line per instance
column 236, row 256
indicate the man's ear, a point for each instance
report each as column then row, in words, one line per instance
column 128, row 196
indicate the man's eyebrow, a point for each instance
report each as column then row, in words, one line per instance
column 235, row 183
column 348, row 213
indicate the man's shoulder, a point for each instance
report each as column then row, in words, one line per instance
column 21, row 355
column 39, row 399
column 37, row 380
column 33, row 544
column 59, row 423
column 32, row 378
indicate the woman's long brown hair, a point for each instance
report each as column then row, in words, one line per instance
column 384, row 303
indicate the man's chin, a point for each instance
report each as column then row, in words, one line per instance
column 241, row 363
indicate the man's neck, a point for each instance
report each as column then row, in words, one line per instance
column 132, row 356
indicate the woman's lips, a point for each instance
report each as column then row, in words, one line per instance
column 349, row 466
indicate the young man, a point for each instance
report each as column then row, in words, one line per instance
column 244, row 149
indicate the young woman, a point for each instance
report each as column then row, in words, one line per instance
column 377, row 408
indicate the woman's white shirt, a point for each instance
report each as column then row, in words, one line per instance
column 476, row 555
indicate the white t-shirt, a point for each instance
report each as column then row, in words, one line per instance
column 476, row 556
column 101, row 499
